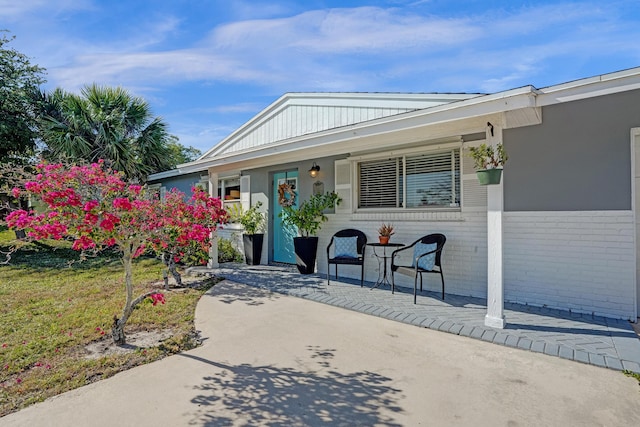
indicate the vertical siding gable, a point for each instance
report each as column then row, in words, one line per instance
column 299, row 120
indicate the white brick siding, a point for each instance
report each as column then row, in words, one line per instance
column 583, row 261
column 464, row 258
column 579, row 261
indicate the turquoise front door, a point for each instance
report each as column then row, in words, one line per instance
column 282, row 234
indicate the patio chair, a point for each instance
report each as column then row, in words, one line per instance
column 348, row 249
column 426, row 258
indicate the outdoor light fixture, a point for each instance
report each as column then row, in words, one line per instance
column 313, row 172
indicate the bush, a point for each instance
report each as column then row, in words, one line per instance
column 227, row 253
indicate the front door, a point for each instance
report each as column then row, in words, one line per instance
column 283, row 235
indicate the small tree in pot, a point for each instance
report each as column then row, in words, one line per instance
column 308, row 218
column 253, row 222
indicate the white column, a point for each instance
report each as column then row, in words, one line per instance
column 495, row 211
column 213, row 250
column 495, row 285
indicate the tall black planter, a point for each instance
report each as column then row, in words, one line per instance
column 306, row 248
column 252, row 248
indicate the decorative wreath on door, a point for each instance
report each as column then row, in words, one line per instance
column 284, row 190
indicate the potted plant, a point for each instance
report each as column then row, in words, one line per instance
column 253, row 237
column 385, row 232
column 308, row 218
column 488, row 162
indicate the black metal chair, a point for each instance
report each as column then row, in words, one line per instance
column 361, row 244
column 414, row 269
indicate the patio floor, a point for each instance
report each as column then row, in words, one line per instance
column 594, row 340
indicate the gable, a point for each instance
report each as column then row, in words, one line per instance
column 296, row 115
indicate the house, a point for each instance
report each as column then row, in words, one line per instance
column 559, row 231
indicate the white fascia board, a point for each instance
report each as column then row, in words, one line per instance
column 487, row 105
column 606, row 84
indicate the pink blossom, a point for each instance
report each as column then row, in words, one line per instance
column 135, row 189
column 90, row 205
column 157, row 298
column 83, row 243
column 15, row 192
column 122, row 203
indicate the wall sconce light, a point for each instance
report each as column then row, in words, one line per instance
column 313, row 172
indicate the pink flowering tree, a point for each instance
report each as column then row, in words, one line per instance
column 186, row 228
column 96, row 208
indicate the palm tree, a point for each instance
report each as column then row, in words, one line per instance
column 106, row 123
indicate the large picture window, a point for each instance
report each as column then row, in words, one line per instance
column 413, row 181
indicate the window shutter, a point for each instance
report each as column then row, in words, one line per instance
column 245, row 192
column 343, row 185
column 474, row 196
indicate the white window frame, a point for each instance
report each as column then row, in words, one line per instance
column 434, row 149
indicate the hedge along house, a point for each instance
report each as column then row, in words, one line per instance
column 559, row 231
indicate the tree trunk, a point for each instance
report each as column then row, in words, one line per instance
column 167, row 257
column 117, row 330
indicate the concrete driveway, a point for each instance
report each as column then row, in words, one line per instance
column 275, row 360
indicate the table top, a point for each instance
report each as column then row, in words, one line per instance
column 393, row 245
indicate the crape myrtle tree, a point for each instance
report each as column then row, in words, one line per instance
column 186, row 228
column 96, row 208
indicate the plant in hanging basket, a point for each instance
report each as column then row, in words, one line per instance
column 488, row 161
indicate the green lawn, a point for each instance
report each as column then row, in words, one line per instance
column 52, row 306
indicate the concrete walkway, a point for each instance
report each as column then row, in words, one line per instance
column 273, row 360
column 594, row 340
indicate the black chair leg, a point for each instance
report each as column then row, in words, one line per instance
column 415, row 288
column 362, row 275
column 393, row 283
column 420, row 282
column 442, row 277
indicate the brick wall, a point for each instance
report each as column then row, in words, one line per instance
column 582, row 260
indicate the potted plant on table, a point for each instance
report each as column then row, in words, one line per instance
column 308, row 218
column 253, row 222
column 385, row 232
column 489, row 161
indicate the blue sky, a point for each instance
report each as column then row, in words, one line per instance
column 208, row 66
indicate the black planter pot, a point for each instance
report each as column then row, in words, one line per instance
column 306, row 248
column 252, row 248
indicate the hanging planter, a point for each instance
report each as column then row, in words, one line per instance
column 488, row 162
column 489, row 176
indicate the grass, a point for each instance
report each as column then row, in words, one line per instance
column 53, row 306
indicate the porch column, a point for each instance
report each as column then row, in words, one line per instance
column 213, row 250
column 495, row 210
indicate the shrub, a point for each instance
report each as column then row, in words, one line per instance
column 228, row 253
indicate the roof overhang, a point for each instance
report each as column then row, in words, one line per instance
column 512, row 108
column 456, row 118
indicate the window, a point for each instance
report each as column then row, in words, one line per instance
column 412, row 181
column 229, row 189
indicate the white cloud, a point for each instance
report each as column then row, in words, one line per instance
column 362, row 48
